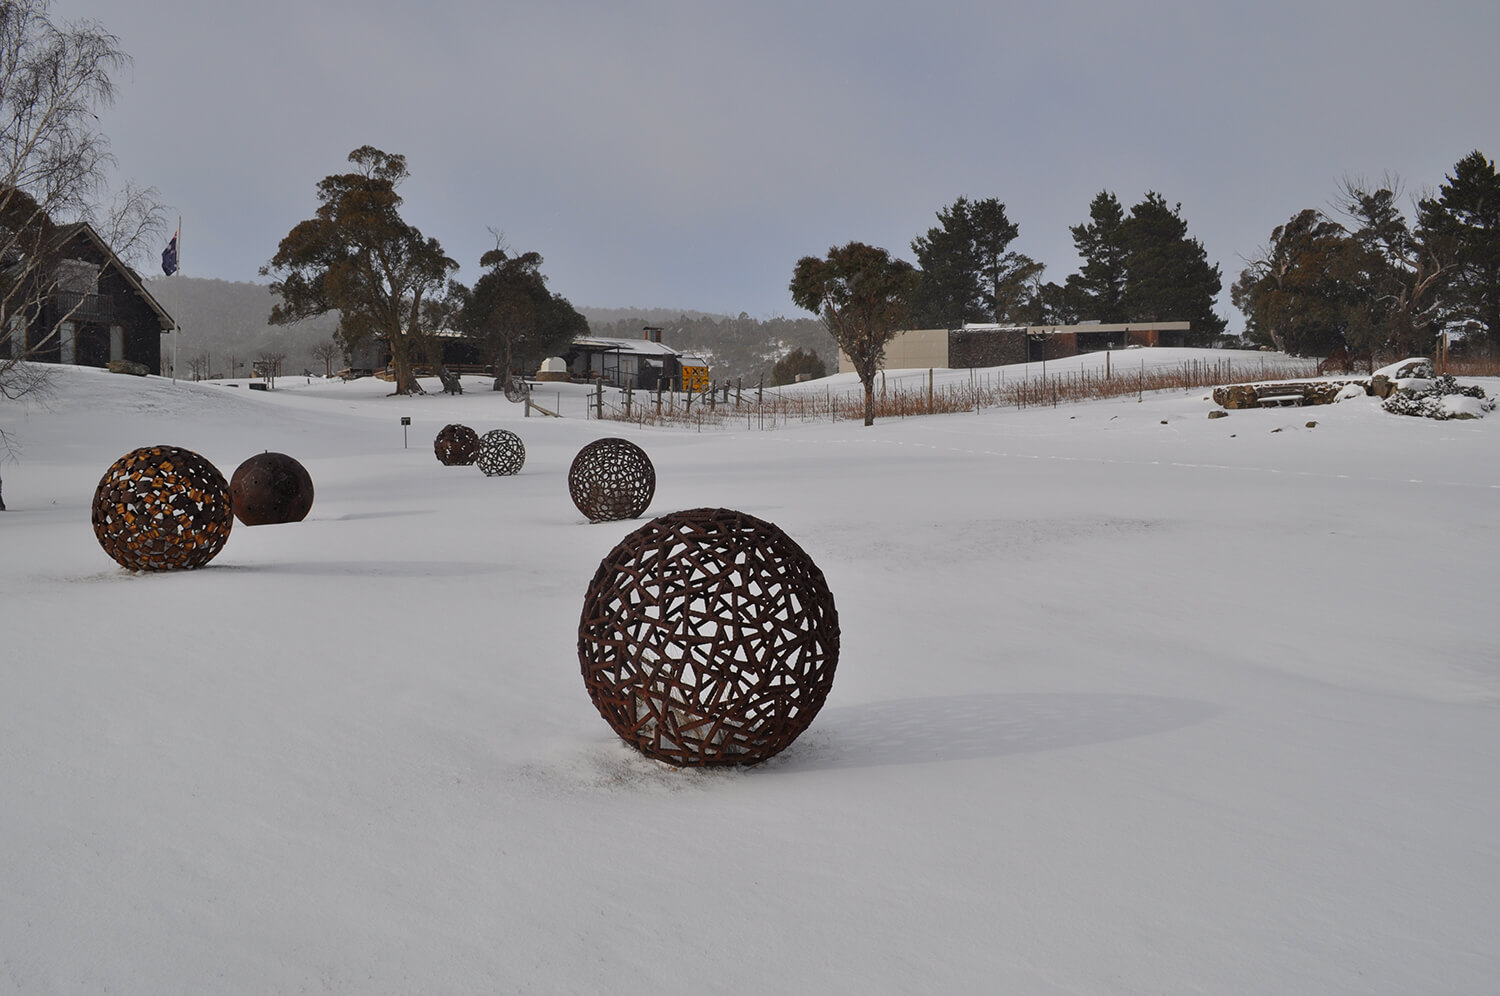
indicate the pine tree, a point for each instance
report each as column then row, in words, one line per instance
column 1167, row 274
column 1466, row 215
column 1097, row 291
column 968, row 272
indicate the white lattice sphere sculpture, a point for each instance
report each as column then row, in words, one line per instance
column 501, row 453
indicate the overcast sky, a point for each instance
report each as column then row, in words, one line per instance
column 686, row 154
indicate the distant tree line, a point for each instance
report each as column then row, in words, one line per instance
column 1369, row 282
column 1136, row 267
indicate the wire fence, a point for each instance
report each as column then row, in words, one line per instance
column 728, row 405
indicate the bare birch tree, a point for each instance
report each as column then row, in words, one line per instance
column 54, row 167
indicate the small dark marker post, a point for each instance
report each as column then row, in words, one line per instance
column 405, row 421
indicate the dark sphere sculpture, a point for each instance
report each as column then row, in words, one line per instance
column 162, row 508
column 269, row 488
column 708, row 637
column 456, row 445
column 501, row 453
column 611, row 478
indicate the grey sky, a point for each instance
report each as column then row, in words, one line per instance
column 685, row 154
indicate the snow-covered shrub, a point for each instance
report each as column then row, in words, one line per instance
column 1440, row 398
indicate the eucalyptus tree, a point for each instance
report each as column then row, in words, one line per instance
column 863, row 295
column 357, row 256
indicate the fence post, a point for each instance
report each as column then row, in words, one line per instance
column 929, row 390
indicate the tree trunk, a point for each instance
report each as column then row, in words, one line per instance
column 2, row 495
column 434, row 353
column 406, row 381
column 870, row 402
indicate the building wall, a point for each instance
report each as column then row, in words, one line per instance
column 993, row 346
column 988, row 348
column 912, row 349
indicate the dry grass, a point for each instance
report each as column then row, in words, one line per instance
column 1475, row 366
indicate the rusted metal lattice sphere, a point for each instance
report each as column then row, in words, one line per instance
column 611, row 478
column 708, row 637
column 456, row 445
column 162, row 508
column 501, row 453
column 269, row 488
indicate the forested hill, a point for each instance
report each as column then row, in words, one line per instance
column 225, row 322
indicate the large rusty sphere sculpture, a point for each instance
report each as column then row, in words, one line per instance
column 611, row 478
column 270, row 488
column 708, row 637
column 162, row 508
column 501, row 453
column 456, row 445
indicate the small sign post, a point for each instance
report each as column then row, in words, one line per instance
column 405, row 421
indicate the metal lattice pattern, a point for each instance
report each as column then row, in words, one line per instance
column 612, row 478
column 515, row 389
column 271, row 488
column 456, row 446
column 501, row 453
column 162, row 508
column 708, row 637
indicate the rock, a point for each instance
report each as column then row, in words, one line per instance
column 1312, row 425
column 1412, row 366
column 1218, row 413
column 1236, row 397
column 1381, row 386
column 128, row 367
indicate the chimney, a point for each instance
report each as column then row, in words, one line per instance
column 651, row 333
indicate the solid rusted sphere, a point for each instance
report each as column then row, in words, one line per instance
column 162, row 508
column 270, row 488
column 708, row 637
column 456, row 445
column 611, row 478
column 501, row 453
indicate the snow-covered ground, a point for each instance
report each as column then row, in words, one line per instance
column 1130, row 700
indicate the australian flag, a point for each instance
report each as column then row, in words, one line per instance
column 169, row 257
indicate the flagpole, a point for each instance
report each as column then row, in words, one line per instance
column 176, row 325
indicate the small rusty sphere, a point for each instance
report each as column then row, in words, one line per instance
column 611, row 478
column 269, row 488
column 162, row 508
column 457, row 445
column 501, row 453
column 708, row 637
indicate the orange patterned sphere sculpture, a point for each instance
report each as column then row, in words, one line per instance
column 611, row 478
column 501, row 453
column 162, row 508
column 270, row 488
column 708, row 637
column 456, row 445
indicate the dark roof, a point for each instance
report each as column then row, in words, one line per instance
column 67, row 233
